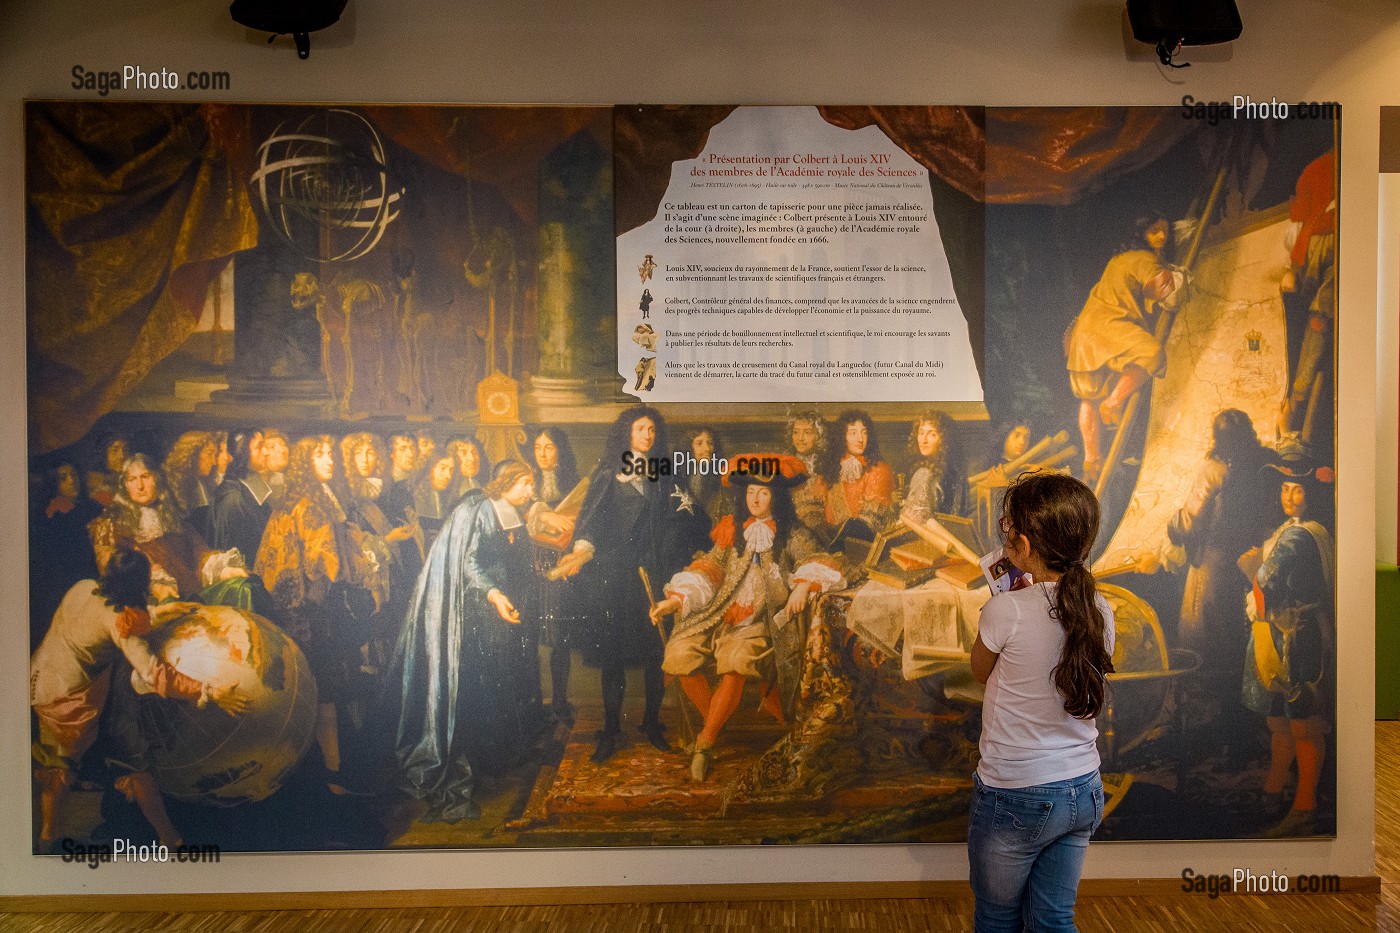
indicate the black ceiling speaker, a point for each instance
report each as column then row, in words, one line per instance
column 1170, row 24
column 295, row 18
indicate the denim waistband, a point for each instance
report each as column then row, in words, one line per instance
column 1051, row 788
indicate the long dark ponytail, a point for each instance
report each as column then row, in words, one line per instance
column 1060, row 516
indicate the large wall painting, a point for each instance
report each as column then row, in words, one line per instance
column 473, row 477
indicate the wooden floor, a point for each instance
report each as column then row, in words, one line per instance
column 1175, row 913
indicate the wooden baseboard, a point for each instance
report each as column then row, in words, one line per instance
column 602, row 894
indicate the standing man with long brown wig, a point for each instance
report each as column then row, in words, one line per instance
column 806, row 440
column 328, row 577
column 860, row 484
column 630, row 520
column 1044, row 652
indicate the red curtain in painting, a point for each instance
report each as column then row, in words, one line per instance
column 996, row 155
column 132, row 210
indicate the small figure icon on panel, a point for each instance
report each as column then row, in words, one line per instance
column 645, row 304
column 647, row 267
column 645, row 337
column 646, row 374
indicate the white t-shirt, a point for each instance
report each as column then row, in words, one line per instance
column 1027, row 737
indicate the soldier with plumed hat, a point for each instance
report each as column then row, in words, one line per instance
column 1290, row 666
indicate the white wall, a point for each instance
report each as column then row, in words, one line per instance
column 724, row 51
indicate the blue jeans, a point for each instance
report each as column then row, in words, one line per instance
column 1026, row 848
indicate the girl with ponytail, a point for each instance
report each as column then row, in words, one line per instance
column 1044, row 653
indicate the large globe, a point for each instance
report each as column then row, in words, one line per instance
column 1143, row 690
column 205, row 755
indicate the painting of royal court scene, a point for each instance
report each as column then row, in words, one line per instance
column 330, row 549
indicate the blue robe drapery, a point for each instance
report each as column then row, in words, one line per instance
column 456, row 681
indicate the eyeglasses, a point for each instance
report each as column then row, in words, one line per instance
column 1006, row 528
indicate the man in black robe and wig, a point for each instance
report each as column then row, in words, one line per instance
column 630, row 519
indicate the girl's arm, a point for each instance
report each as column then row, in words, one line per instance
column 983, row 660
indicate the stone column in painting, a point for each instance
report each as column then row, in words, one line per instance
column 277, row 341
column 576, row 318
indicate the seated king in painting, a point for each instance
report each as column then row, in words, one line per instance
column 735, row 602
